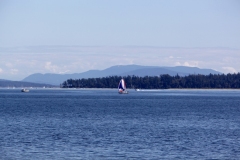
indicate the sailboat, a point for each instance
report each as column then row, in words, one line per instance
column 122, row 87
column 24, row 90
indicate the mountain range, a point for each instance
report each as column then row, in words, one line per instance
column 119, row 70
column 17, row 84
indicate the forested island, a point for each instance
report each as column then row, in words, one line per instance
column 166, row 81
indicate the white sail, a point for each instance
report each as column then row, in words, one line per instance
column 122, row 87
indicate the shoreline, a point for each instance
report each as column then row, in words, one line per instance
column 58, row 88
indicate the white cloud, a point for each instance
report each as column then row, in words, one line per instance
column 229, row 70
column 1, row 70
column 172, row 57
column 14, row 71
column 63, row 72
column 177, row 64
column 52, row 68
column 188, row 64
column 80, row 59
column 9, row 65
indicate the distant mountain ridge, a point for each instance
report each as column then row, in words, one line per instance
column 119, row 70
column 10, row 84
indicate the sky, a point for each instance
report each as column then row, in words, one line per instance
column 56, row 36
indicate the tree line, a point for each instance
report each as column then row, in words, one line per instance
column 158, row 82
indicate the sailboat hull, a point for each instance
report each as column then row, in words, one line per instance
column 123, row 92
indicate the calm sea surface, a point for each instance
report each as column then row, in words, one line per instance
column 101, row 124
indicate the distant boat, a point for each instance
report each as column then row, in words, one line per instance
column 137, row 90
column 122, row 89
column 24, row 90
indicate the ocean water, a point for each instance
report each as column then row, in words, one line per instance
column 101, row 124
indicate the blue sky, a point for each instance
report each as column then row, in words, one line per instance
column 55, row 36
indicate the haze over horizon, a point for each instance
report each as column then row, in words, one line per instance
column 77, row 36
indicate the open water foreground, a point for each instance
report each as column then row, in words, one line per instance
column 102, row 124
